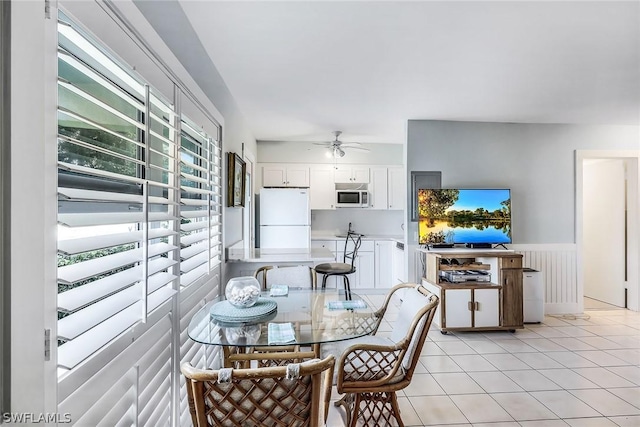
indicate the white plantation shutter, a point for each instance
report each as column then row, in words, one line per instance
column 139, row 237
column 200, row 187
column 117, row 199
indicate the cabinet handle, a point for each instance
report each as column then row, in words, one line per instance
column 470, row 306
column 477, row 304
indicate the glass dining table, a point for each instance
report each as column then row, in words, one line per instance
column 313, row 317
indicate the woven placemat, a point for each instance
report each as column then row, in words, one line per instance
column 224, row 311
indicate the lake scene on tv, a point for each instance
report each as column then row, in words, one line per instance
column 464, row 216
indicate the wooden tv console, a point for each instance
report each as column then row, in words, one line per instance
column 475, row 305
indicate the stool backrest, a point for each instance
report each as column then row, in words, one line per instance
column 351, row 245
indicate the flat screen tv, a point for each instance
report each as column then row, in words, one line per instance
column 464, row 216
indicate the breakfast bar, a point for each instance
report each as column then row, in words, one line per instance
column 244, row 262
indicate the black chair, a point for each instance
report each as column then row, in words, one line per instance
column 347, row 266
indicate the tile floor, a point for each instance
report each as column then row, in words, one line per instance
column 578, row 371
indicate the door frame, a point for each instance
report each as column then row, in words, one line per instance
column 633, row 241
column 248, row 216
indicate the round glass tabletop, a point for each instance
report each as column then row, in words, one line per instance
column 302, row 316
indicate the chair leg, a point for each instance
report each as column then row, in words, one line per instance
column 372, row 408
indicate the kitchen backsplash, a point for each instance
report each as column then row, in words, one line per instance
column 365, row 221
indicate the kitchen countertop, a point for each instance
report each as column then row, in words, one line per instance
column 292, row 255
column 327, row 236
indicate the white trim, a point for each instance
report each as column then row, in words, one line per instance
column 580, row 157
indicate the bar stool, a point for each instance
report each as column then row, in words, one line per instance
column 347, row 266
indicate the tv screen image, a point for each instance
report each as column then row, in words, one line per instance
column 464, row 216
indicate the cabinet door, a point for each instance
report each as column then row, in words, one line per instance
column 383, row 264
column 365, row 276
column 322, row 193
column 274, row 176
column 511, row 281
column 456, row 307
column 297, row 176
column 360, row 175
column 342, row 175
column 486, row 307
column 397, row 269
column 378, row 188
column 397, row 184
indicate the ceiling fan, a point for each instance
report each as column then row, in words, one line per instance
column 337, row 147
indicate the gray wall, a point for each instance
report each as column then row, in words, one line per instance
column 535, row 160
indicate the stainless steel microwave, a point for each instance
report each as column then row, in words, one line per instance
column 352, row 198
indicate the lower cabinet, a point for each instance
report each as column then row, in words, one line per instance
column 384, row 266
column 466, row 309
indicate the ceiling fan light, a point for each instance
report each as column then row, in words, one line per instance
column 340, row 152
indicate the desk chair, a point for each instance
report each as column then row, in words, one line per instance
column 347, row 266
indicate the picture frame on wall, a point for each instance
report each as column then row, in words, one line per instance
column 236, row 170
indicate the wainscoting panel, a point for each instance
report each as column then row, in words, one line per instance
column 558, row 266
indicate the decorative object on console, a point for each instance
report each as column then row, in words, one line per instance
column 236, row 169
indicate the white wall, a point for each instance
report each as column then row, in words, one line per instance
column 367, row 222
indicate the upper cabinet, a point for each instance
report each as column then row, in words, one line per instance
column 378, row 189
column 351, row 174
column 285, row 175
column 397, row 185
column 322, row 190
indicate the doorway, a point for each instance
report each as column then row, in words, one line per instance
column 607, row 227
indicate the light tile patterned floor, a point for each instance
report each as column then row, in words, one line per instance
column 580, row 371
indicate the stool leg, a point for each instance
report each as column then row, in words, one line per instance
column 347, row 286
column 324, row 281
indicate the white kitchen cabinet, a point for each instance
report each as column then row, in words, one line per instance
column 322, row 190
column 285, row 175
column 378, row 188
column 397, row 188
column 486, row 303
column 365, row 275
column 398, row 263
column 351, row 174
column 383, row 264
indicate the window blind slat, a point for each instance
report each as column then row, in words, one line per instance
column 194, row 225
column 193, row 238
column 86, row 269
column 103, row 218
column 194, row 261
column 193, row 250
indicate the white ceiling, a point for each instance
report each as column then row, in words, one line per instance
column 299, row 70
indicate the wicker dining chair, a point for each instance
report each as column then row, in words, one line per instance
column 371, row 369
column 277, row 396
column 300, row 275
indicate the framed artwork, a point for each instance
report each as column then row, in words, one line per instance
column 236, row 169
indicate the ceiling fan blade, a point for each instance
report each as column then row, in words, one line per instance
column 351, row 143
column 326, row 144
column 355, row 148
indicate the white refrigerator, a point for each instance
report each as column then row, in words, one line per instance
column 285, row 218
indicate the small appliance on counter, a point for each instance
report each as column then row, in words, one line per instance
column 285, row 218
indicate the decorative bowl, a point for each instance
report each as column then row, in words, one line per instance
column 242, row 292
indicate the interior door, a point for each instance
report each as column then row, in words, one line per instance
column 604, row 230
